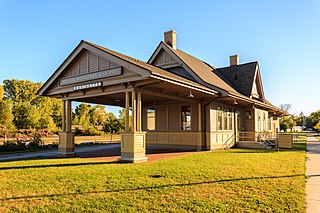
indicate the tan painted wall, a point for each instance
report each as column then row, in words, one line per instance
column 168, row 130
column 168, row 117
column 216, row 138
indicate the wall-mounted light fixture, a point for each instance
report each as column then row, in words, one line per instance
column 190, row 95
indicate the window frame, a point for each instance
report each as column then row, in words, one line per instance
column 155, row 111
column 180, row 123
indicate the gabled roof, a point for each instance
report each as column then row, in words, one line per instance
column 236, row 80
column 152, row 70
column 240, row 76
column 203, row 70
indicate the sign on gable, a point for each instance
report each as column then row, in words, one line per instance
column 91, row 76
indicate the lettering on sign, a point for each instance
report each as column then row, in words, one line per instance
column 86, row 86
column 91, row 76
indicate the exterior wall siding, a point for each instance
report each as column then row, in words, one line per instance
column 168, row 128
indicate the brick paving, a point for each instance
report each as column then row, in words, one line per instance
column 114, row 154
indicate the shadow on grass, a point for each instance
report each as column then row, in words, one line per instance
column 150, row 187
column 61, row 165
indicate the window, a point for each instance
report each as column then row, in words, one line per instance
column 264, row 121
column 185, row 118
column 219, row 118
column 238, row 120
column 269, row 124
column 151, row 121
column 225, row 118
column 230, row 119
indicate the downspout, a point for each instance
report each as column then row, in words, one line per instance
column 235, row 123
column 204, row 124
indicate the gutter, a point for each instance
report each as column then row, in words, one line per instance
column 204, row 124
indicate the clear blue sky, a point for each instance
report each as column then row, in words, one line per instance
column 284, row 36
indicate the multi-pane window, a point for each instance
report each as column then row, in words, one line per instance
column 238, row 120
column 264, row 121
column 269, row 123
column 151, row 121
column 185, row 118
column 219, row 118
column 225, row 118
column 230, row 119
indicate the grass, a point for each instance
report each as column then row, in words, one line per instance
column 237, row 180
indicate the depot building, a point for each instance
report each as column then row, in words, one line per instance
column 175, row 99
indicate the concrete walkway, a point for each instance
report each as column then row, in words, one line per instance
column 53, row 153
column 313, row 175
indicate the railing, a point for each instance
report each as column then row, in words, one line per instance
column 254, row 136
column 269, row 139
column 229, row 142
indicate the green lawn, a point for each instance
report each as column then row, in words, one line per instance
column 236, row 180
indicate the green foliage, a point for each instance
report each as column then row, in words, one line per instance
column 317, row 127
column 20, row 90
column 30, row 110
column 287, row 123
column 1, row 92
column 26, row 116
column 313, row 119
column 82, row 111
column 113, row 125
column 6, row 116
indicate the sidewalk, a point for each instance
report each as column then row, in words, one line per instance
column 313, row 175
column 53, row 153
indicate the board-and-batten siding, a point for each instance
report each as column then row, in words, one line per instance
column 174, row 118
column 168, row 131
column 88, row 62
column 163, row 57
column 161, row 118
column 216, row 138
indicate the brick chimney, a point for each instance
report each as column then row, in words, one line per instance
column 170, row 38
column 234, row 60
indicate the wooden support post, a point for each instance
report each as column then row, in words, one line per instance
column 200, row 136
column 199, row 117
column 68, row 116
column 133, row 143
column 63, row 116
column 139, row 111
column 66, row 137
column 127, row 112
column 134, row 112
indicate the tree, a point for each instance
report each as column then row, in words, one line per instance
column 1, row 92
column 113, row 125
column 299, row 119
column 6, row 116
column 286, row 107
column 101, row 114
column 317, row 127
column 313, row 119
column 26, row 116
column 82, row 111
column 20, row 90
column 287, row 123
